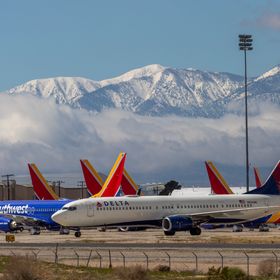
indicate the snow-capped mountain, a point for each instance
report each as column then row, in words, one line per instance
column 157, row 90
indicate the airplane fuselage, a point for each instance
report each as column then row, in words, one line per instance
column 151, row 210
column 35, row 210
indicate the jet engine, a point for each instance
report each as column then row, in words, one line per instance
column 176, row 223
column 8, row 225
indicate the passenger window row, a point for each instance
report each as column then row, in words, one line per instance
column 125, row 208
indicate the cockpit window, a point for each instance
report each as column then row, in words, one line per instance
column 71, row 208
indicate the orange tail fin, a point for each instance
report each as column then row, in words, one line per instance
column 93, row 180
column 113, row 181
column 41, row 187
column 217, row 182
column 129, row 187
column 257, row 177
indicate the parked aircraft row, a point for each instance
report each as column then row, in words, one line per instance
column 103, row 209
column 37, row 213
column 174, row 213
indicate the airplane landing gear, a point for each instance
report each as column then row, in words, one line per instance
column 195, row 231
column 78, row 234
column 35, row 231
column 64, row 230
column 169, row 233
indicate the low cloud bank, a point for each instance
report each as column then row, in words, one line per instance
column 56, row 137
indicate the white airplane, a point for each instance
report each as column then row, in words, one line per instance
column 173, row 213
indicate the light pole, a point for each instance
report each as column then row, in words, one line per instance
column 7, row 176
column 245, row 44
column 81, row 184
column 58, row 184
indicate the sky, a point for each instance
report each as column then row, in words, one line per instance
column 103, row 39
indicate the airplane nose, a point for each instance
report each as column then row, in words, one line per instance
column 59, row 217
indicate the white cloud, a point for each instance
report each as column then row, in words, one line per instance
column 56, row 137
column 267, row 19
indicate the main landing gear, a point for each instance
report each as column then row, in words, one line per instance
column 195, row 231
column 169, row 233
column 64, row 230
column 78, row 234
column 34, row 231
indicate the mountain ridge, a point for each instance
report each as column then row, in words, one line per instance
column 157, row 91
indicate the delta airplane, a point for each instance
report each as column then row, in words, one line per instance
column 94, row 182
column 173, row 213
column 37, row 213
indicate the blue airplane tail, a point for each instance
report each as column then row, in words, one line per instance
column 272, row 184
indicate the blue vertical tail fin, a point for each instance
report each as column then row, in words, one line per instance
column 272, row 184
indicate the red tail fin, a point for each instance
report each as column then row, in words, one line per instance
column 272, row 183
column 217, row 182
column 40, row 185
column 129, row 187
column 113, row 181
column 257, row 177
column 93, row 180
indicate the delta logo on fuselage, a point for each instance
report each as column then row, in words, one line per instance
column 18, row 209
column 112, row 203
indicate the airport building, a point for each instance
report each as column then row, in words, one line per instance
column 25, row 192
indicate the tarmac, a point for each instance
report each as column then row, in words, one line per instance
column 151, row 238
column 151, row 248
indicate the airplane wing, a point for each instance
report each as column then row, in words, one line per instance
column 241, row 213
column 25, row 220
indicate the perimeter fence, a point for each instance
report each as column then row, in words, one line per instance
column 173, row 259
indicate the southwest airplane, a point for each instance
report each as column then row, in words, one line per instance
column 218, row 183
column 173, row 213
column 42, row 191
column 257, row 177
column 94, row 182
column 219, row 186
column 37, row 213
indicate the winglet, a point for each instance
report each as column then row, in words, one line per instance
column 93, row 180
column 217, row 182
column 113, row 181
column 272, row 184
column 41, row 187
column 257, row 177
column 129, row 187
